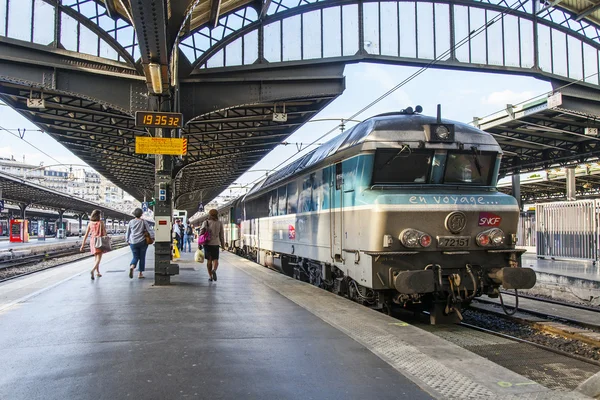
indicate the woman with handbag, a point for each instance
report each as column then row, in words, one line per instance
column 99, row 241
column 139, row 235
column 211, row 237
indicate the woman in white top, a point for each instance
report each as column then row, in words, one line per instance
column 136, row 237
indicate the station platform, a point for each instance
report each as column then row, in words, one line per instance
column 253, row 334
column 569, row 280
column 5, row 245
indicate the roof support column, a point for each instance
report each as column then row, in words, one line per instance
column 80, row 216
column 163, row 210
column 59, row 225
column 516, row 189
column 571, row 189
column 23, row 207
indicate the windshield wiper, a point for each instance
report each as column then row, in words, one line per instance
column 476, row 159
column 402, row 150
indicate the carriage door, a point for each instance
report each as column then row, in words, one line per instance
column 336, row 220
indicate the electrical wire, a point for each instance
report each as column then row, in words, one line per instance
column 448, row 52
column 32, row 145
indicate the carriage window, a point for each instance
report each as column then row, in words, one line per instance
column 305, row 200
column 469, row 168
column 317, row 192
column 394, row 166
column 281, row 193
column 292, row 201
column 273, row 203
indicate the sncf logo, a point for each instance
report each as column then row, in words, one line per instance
column 489, row 219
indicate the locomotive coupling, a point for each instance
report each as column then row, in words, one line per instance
column 513, row 278
column 412, row 282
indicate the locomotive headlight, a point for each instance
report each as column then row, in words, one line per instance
column 414, row 238
column 442, row 132
column 492, row 237
column 409, row 238
column 496, row 237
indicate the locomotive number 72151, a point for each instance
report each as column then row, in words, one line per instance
column 453, row 241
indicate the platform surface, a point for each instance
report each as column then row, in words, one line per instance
column 571, row 268
column 115, row 338
column 254, row 334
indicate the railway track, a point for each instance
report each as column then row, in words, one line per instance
column 553, row 317
column 556, row 363
column 552, row 301
column 29, row 262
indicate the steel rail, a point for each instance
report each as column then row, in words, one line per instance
column 541, row 346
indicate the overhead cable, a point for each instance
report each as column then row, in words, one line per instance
column 448, row 52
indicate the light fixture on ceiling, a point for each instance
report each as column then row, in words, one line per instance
column 155, row 77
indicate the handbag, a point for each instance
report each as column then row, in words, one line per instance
column 147, row 237
column 199, row 256
column 205, row 237
column 102, row 242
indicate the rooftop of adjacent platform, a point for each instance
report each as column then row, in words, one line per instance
column 253, row 334
column 21, row 191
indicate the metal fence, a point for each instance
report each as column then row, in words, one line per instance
column 526, row 232
column 567, row 229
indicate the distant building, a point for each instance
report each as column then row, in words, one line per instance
column 79, row 182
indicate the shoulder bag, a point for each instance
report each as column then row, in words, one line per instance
column 205, row 237
column 102, row 242
column 147, row 237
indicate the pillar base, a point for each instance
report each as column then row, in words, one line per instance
column 162, row 280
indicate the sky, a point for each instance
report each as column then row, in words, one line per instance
column 462, row 95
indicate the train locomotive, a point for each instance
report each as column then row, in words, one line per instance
column 400, row 211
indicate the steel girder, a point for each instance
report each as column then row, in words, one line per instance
column 225, row 143
column 405, row 33
column 587, row 186
column 104, row 138
column 90, row 111
column 20, row 191
column 539, row 134
column 90, row 100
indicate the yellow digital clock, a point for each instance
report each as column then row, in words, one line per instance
column 151, row 119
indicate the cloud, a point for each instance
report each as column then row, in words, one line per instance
column 382, row 77
column 506, row 97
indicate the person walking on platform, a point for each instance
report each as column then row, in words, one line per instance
column 138, row 235
column 187, row 238
column 181, row 243
column 217, row 238
column 177, row 232
column 95, row 228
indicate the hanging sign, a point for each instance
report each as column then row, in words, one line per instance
column 152, row 145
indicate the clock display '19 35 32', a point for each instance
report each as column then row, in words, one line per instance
column 151, row 119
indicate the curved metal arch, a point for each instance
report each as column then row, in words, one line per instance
column 522, row 13
column 88, row 23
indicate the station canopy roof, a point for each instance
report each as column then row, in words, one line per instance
column 85, row 116
column 17, row 190
column 201, row 13
column 550, row 185
column 556, row 130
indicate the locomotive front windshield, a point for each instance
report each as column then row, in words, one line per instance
column 469, row 168
column 393, row 166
